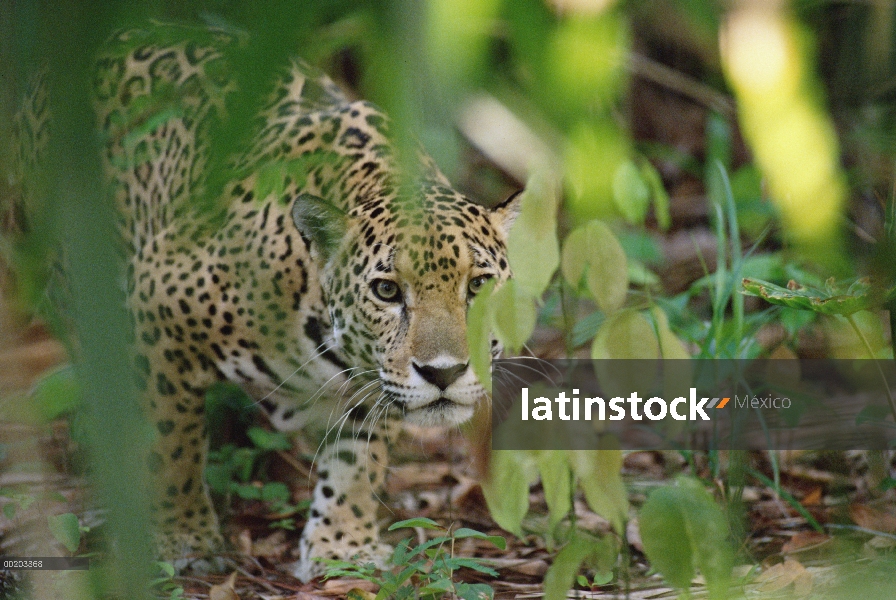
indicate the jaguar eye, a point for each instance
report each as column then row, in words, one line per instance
column 476, row 284
column 386, row 290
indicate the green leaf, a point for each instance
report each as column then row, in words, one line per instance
column 274, row 491
column 681, row 376
column 458, row 38
column 268, row 440
column 480, row 317
column 600, row 475
column 625, row 334
column 683, row 529
column 594, row 151
column 57, row 393
column 473, row 564
column 474, row 591
column 166, row 568
column 224, row 402
column 556, row 479
column 66, row 530
column 392, row 583
column 223, row 395
column 25, row 500
column 400, row 555
column 422, row 522
column 594, row 252
column 218, row 477
column 532, row 246
column 269, row 180
column 506, row 491
column 658, row 193
column 586, row 328
column 669, row 344
column 243, row 462
column 247, row 491
column 631, row 194
column 834, row 300
column 639, row 274
column 887, row 483
column 55, row 497
column 754, row 212
column 439, row 586
column 602, row 578
column 298, row 169
column 563, row 571
column 140, row 131
column 465, row 532
column 514, row 315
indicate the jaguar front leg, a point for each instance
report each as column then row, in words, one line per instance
column 342, row 523
column 187, row 527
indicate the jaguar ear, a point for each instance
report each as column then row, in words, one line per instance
column 321, row 224
column 505, row 213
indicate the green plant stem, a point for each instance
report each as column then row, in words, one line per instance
column 737, row 300
column 891, row 308
column 567, row 308
column 880, row 370
column 116, row 430
column 789, row 499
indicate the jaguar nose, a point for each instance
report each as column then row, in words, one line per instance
column 441, row 377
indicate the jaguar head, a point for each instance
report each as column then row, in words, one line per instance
column 399, row 273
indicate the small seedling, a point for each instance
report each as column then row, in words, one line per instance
column 165, row 584
column 425, row 571
column 235, row 470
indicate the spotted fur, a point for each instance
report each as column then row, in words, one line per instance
column 340, row 303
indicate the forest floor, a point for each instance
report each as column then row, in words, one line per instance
column 781, row 556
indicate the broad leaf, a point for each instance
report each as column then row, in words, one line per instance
column 683, row 530
column 57, row 393
column 458, row 562
column 421, row 522
column 669, row 344
column 66, row 529
column 480, row 317
column 514, row 315
column 625, row 334
column 268, row 440
column 592, row 156
column 474, row 591
column 246, row 491
column 465, row 532
column 679, row 376
column 532, row 246
column 594, row 252
column 658, row 192
column 556, row 479
column 835, row 299
column 507, row 489
column 600, row 474
column 269, row 180
column 275, row 490
column 562, row 574
column 631, row 193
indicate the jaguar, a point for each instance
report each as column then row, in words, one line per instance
column 336, row 297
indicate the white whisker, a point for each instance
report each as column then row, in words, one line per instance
column 316, row 354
